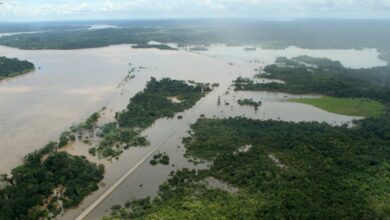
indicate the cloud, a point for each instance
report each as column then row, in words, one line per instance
column 62, row 9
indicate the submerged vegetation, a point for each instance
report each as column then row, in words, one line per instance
column 49, row 180
column 345, row 106
column 13, row 67
column 249, row 102
column 160, row 159
column 159, row 99
column 308, row 75
column 91, row 121
column 154, row 102
column 115, row 140
column 305, row 170
column 279, row 170
column 46, row 183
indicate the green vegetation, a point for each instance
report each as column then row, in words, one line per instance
column 30, row 192
column 91, row 121
column 115, row 140
column 89, row 124
column 315, row 34
column 160, row 159
column 49, row 181
column 303, row 75
column 13, row 67
column 156, row 46
column 64, row 139
column 154, row 102
column 305, row 170
column 345, row 106
column 249, row 102
column 130, row 75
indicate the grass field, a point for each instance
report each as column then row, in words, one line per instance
column 345, row 106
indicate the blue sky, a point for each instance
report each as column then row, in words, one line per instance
column 23, row 10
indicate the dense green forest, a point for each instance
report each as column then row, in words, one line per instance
column 47, row 182
column 12, row 67
column 154, row 102
column 315, row 34
column 305, row 170
column 322, row 76
column 159, row 99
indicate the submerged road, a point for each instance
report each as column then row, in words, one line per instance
column 90, row 208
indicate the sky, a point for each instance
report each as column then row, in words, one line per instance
column 32, row 10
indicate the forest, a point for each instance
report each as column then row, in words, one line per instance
column 12, row 67
column 306, row 170
column 46, row 183
column 313, row 34
column 161, row 98
column 154, row 102
column 308, row 75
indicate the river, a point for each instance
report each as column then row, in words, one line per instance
column 69, row 85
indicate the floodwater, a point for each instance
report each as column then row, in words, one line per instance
column 365, row 58
column 70, row 85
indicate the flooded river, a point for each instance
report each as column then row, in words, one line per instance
column 70, row 85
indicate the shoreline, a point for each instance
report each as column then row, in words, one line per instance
column 13, row 75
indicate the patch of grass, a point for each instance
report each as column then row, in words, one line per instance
column 345, row 106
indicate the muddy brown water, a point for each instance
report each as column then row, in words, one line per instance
column 70, row 85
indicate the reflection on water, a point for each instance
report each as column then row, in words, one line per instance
column 71, row 85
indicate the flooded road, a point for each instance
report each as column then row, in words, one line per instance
column 68, row 86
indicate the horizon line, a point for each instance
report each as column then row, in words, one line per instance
column 196, row 18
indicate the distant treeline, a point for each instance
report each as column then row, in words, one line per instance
column 12, row 67
column 156, row 46
column 316, row 34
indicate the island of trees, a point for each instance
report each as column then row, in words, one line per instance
column 305, row 170
column 13, row 67
column 160, row 98
column 160, row 158
column 250, row 102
